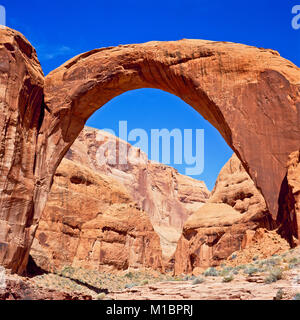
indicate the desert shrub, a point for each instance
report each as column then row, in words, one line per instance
column 251, row 270
column 297, row 296
column 292, row 265
column 293, row 260
column 144, row 282
column 241, row 266
column 225, row 271
column 274, row 275
column 129, row 275
column 130, row 285
column 67, row 271
column 271, row 262
column 279, row 295
column 211, row 272
column 186, row 278
column 198, row 281
column 228, row 278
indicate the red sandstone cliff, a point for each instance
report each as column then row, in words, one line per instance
column 167, row 196
column 222, row 226
column 90, row 221
column 97, row 215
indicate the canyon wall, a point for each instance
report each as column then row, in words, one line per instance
column 90, row 221
column 220, row 227
column 250, row 95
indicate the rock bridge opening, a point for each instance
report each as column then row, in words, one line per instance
column 250, row 95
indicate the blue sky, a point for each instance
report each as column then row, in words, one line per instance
column 61, row 29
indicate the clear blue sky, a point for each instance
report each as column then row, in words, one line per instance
column 61, row 29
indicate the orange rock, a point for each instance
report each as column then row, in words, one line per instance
column 263, row 244
column 21, row 114
column 289, row 201
column 251, row 95
column 90, row 221
column 225, row 224
column 167, row 196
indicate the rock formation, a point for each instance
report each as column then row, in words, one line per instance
column 90, row 221
column 167, row 196
column 251, row 95
column 219, row 227
column 21, row 115
column 258, row 244
column 289, row 200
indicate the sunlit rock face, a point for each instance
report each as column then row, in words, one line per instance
column 222, row 226
column 153, row 189
column 90, row 221
column 250, row 95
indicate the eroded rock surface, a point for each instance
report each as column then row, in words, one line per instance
column 165, row 195
column 251, row 95
column 219, row 227
column 90, row 221
column 289, row 201
column 21, row 115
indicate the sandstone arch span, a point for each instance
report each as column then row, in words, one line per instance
column 250, row 95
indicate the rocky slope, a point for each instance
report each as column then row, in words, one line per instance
column 167, row 196
column 91, row 221
column 219, row 227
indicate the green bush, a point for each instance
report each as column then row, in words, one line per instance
column 251, row 270
column 274, row 275
column 228, row 278
column 211, row 272
column 293, row 260
column 226, row 271
column 129, row 275
column 198, row 281
column 130, row 285
column 279, row 294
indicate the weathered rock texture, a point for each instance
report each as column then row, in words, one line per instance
column 258, row 244
column 167, row 196
column 250, row 95
column 90, row 221
column 289, row 210
column 21, row 114
column 219, row 227
column 18, row 288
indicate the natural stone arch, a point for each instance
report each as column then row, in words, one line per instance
column 250, row 95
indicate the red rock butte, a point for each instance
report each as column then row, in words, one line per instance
column 250, row 95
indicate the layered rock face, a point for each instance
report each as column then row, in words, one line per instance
column 167, row 196
column 91, row 221
column 21, row 115
column 250, row 95
column 219, row 227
